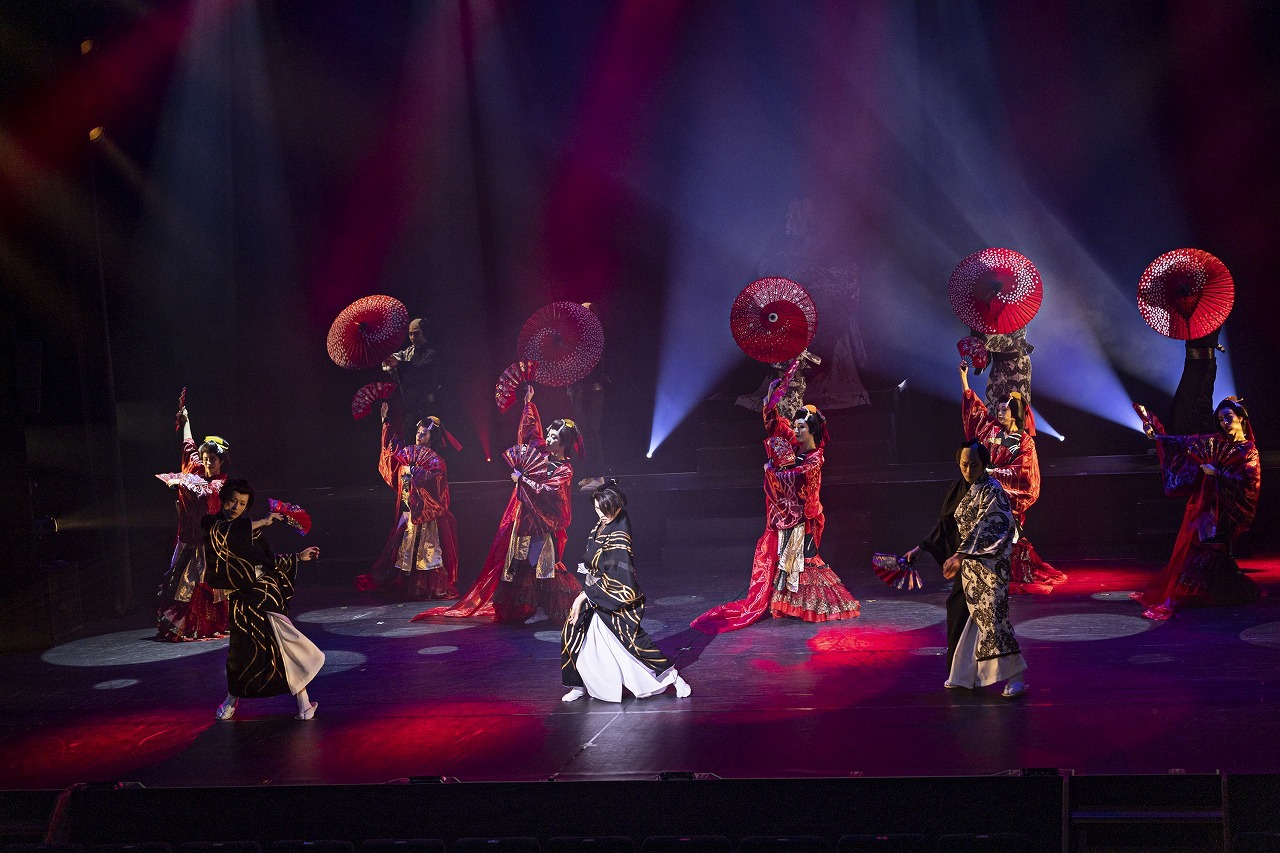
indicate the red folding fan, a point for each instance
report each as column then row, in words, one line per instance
column 367, row 331
column 506, row 391
column 531, row 460
column 414, row 455
column 996, row 291
column 1186, row 293
column 896, row 572
column 773, row 320
column 294, row 515
column 565, row 339
column 974, row 351
column 362, row 402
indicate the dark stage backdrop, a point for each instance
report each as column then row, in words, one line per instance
column 265, row 163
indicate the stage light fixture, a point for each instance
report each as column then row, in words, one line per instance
column 902, row 386
column 87, row 45
column 96, row 133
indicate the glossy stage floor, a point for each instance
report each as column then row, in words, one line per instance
column 1111, row 693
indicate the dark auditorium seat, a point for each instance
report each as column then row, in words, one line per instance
column 402, row 845
column 687, row 844
column 784, row 844
column 596, row 844
column 520, row 844
column 884, row 844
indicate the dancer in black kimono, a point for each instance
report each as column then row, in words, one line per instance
column 603, row 647
column 267, row 655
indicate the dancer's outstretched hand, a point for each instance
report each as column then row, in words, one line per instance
column 311, row 553
column 528, row 395
column 911, row 555
column 951, row 566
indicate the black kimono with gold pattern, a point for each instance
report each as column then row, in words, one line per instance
column 613, row 595
column 239, row 560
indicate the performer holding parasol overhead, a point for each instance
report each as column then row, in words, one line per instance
column 420, row 559
column 773, row 319
column 523, row 579
column 188, row 608
column 1187, row 294
column 997, row 292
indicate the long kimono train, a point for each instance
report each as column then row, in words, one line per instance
column 988, row 651
column 420, row 558
column 188, row 608
column 523, row 570
column 1220, row 507
column 1016, row 466
column 788, row 577
column 267, row 655
column 605, row 649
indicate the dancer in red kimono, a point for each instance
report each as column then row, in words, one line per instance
column 523, row 579
column 420, row 559
column 188, row 608
column 788, row 577
column 1016, row 467
column 1221, row 476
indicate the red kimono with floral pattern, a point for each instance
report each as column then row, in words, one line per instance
column 1015, row 465
column 539, row 508
column 1220, row 507
column 409, row 564
column 787, row 581
column 188, row 608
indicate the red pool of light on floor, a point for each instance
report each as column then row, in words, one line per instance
column 431, row 736
column 100, row 748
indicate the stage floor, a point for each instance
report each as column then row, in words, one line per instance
column 1110, row 693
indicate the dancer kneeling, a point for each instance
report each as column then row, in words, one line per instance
column 988, row 651
column 788, row 577
column 603, row 648
column 267, row 655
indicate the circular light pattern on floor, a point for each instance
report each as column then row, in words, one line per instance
column 124, row 648
column 892, row 614
column 1114, row 595
column 116, row 684
column 676, row 599
column 930, row 651
column 1082, row 627
column 438, row 650
column 405, row 610
column 547, row 636
column 1153, row 658
column 386, row 620
column 1263, row 635
column 341, row 660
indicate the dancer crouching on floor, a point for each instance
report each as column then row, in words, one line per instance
column 603, row 647
column 267, row 655
column 523, row 579
column 987, row 651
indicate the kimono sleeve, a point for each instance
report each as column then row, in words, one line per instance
column 1179, row 467
column 615, row 587
column 530, row 429
column 232, row 560
column 387, row 464
column 1239, row 483
column 974, row 416
column 993, row 527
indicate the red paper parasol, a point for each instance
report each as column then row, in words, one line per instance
column 294, row 515
column 528, row 459
column 504, row 393
column 996, row 291
column 975, row 352
column 896, row 572
column 367, row 331
column 414, row 455
column 773, row 320
column 566, row 341
column 1186, row 293
column 362, row 402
